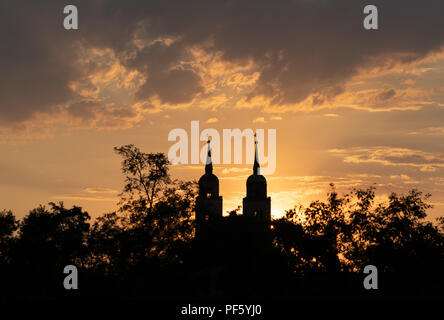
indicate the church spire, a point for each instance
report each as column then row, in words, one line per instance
column 209, row 163
column 256, row 167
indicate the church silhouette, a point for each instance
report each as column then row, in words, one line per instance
column 256, row 205
column 234, row 254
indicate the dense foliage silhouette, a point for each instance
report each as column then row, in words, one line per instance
column 147, row 248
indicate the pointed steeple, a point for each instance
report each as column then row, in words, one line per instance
column 209, row 162
column 256, row 167
column 256, row 203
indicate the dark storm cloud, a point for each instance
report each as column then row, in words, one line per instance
column 34, row 60
column 299, row 47
column 385, row 95
column 173, row 86
column 83, row 109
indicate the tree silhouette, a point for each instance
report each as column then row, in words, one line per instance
column 349, row 232
column 8, row 225
column 158, row 209
column 48, row 239
column 147, row 248
column 53, row 235
column 145, row 176
column 315, row 235
column 109, row 244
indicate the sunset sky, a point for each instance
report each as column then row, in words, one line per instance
column 350, row 106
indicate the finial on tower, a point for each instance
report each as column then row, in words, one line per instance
column 256, row 167
column 209, row 162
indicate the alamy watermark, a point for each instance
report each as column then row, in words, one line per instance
column 187, row 149
column 71, row 19
column 72, row 279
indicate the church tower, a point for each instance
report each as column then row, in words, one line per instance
column 256, row 203
column 208, row 202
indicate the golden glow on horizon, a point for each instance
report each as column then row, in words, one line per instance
column 359, row 122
